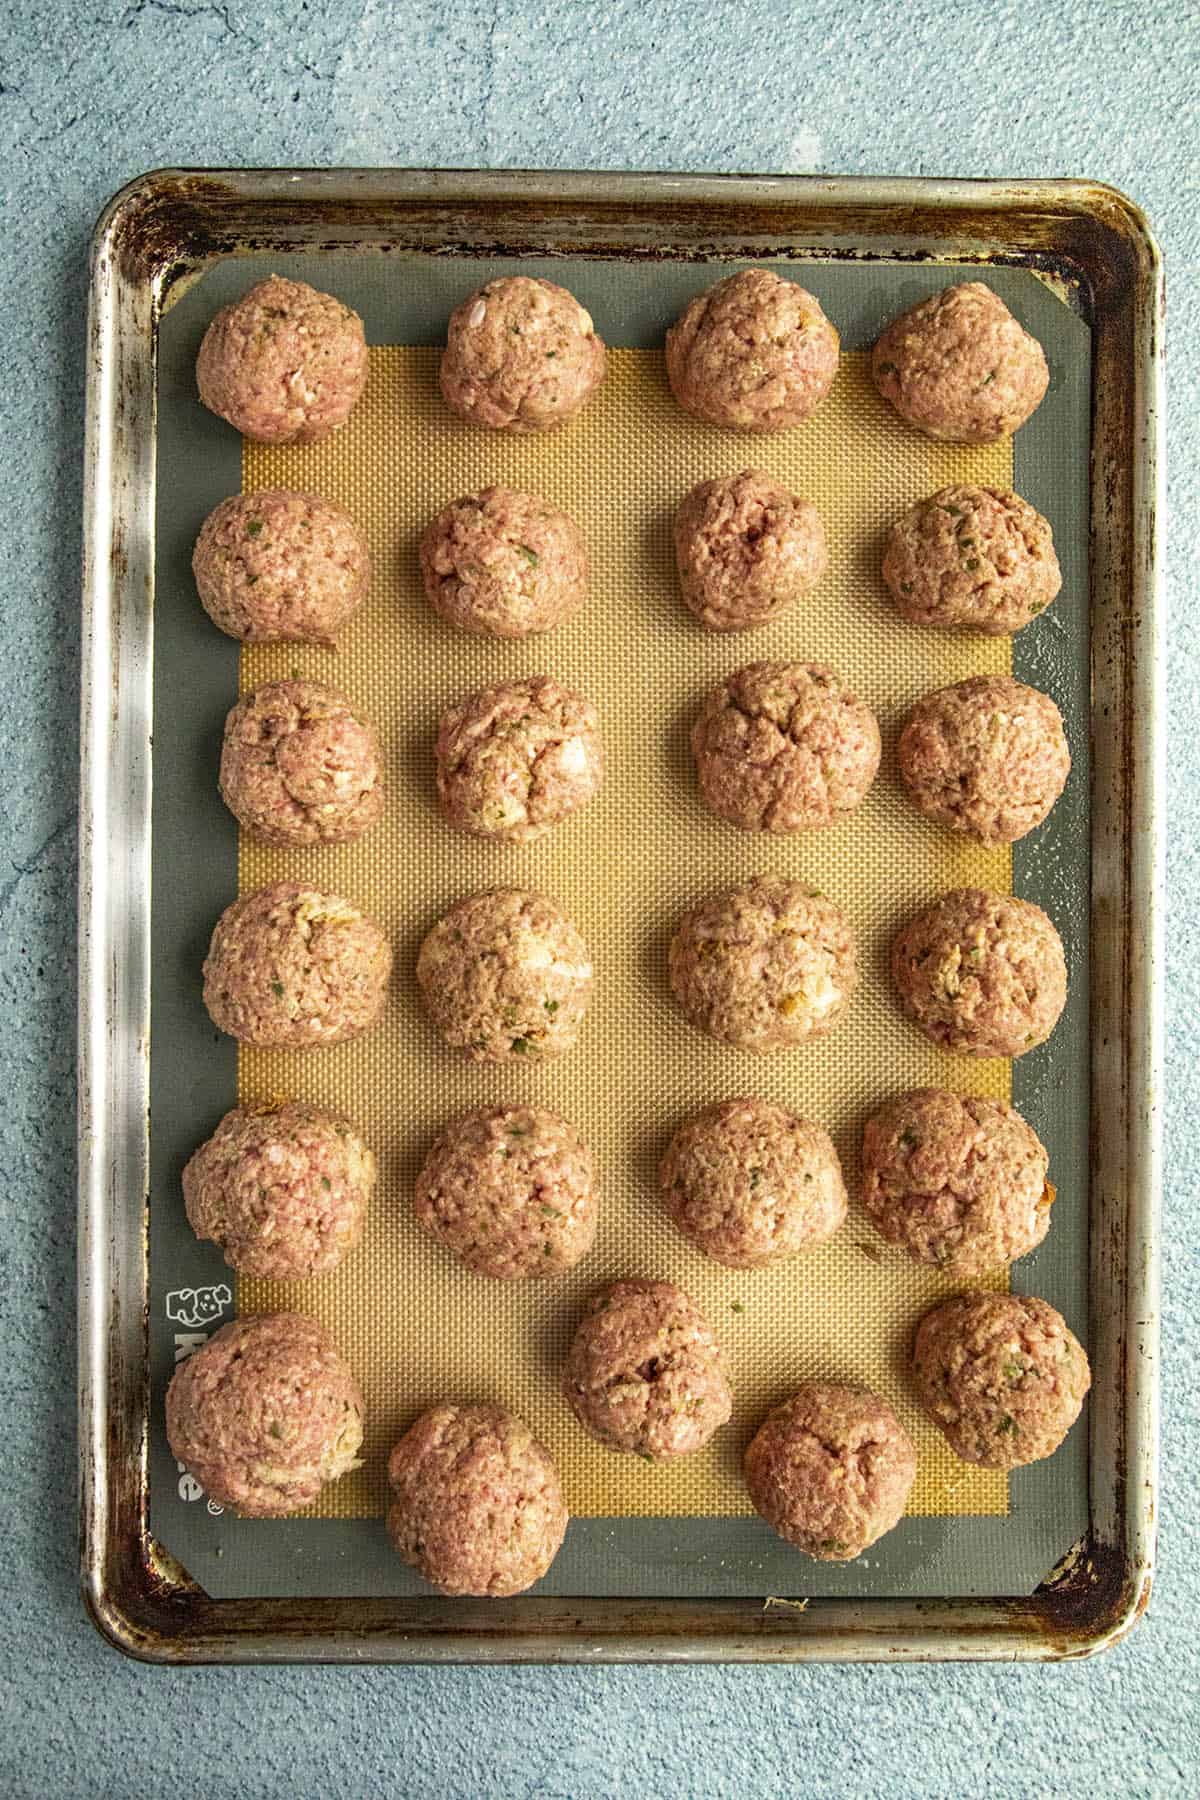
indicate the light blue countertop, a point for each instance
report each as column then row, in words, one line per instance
column 92, row 95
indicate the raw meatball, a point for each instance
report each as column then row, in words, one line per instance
column 784, row 747
column 755, row 352
column 511, row 1190
column 1001, row 1376
column 282, row 1189
column 505, row 977
column 515, row 759
column 988, row 757
column 745, row 549
column 831, row 1469
column 279, row 567
column 957, row 1181
column 749, row 1183
column 504, row 564
column 299, row 766
column 645, row 1373
column 476, row 1504
column 521, row 355
column 959, row 367
column 289, row 967
column 765, row 966
column 972, row 559
column 285, row 364
column 265, row 1413
column 983, row 974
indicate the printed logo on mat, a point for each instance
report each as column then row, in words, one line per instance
column 196, row 1308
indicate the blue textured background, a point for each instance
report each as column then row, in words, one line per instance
column 92, row 94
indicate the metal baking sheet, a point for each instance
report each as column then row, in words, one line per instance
column 244, row 1567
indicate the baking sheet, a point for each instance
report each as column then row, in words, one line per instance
column 425, row 1313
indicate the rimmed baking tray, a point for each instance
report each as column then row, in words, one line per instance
column 1086, row 245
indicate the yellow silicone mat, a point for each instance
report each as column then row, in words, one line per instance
column 415, row 1326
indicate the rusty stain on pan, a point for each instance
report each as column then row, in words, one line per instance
column 1094, row 248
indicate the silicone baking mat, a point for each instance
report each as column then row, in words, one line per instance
column 415, row 1326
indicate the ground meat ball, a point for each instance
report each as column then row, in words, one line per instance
column 750, row 1183
column 831, row 1469
column 755, row 352
column 784, row 746
column 959, row 367
column 511, row 1190
column 746, row 548
column 280, row 567
column 521, row 355
column 285, row 364
column 982, row 974
column 645, row 1373
column 289, row 967
column 516, row 759
column 988, row 757
column 765, row 966
column 972, row 559
column 299, row 766
column 1001, row 1376
column 957, row 1181
column 282, row 1189
column 476, row 1503
column 506, row 977
column 265, row 1413
column 504, row 564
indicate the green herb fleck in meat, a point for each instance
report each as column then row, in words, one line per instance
column 549, row 1212
column 990, row 376
column 645, row 1456
column 1007, row 1426
column 551, row 1006
column 254, row 528
column 531, row 556
column 909, row 1140
column 834, row 1546
column 277, row 989
column 755, row 1178
column 326, row 1184
column 1014, row 1370
column 888, row 368
column 520, row 1046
